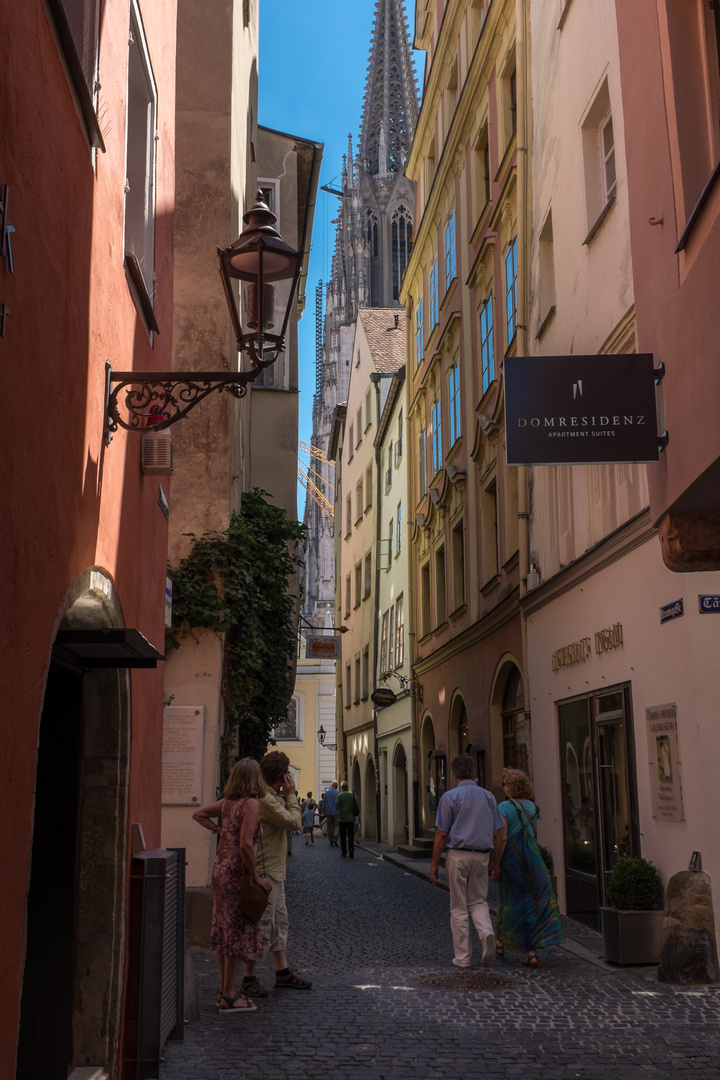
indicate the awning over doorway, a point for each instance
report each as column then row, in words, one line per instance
column 117, row 648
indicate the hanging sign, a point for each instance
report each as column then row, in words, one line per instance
column 322, row 647
column 383, row 696
column 580, row 410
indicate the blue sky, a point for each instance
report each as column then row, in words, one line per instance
column 312, row 68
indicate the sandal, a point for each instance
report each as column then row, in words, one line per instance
column 230, row 1005
column 531, row 959
column 292, row 981
column 499, row 948
column 252, row 987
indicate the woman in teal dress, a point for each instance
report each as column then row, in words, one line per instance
column 528, row 916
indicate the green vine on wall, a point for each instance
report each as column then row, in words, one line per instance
column 236, row 583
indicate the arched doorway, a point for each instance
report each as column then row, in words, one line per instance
column 400, row 820
column 72, row 980
column 515, row 749
column 459, row 725
column 356, row 784
column 429, row 800
column 369, row 810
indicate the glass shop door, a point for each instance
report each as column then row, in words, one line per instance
column 599, row 795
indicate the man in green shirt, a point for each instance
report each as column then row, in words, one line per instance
column 347, row 808
column 277, row 822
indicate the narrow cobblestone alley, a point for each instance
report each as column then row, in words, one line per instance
column 372, row 937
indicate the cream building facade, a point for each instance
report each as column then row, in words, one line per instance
column 616, row 643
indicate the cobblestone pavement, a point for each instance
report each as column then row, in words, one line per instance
column 370, row 935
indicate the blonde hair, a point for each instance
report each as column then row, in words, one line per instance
column 245, row 780
column 519, row 783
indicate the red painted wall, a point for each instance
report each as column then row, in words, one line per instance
column 69, row 502
column 672, row 143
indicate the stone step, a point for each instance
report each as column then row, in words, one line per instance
column 420, row 848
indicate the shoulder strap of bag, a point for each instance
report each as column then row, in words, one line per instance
column 522, row 811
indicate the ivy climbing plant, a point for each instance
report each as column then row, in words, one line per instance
column 236, row 583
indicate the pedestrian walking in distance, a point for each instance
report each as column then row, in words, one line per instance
column 528, row 915
column 347, row 808
column 331, row 813
column 308, row 820
column 471, row 827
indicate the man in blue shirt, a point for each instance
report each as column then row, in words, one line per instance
column 331, row 812
column 474, row 832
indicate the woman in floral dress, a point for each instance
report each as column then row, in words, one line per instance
column 233, row 938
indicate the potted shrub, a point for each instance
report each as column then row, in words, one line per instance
column 632, row 926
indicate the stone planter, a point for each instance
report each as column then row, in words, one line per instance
column 631, row 937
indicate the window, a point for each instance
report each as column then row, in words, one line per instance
column 440, row 584
column 436, row 417
column 399, row 440
column 77, row 25
column 511, row 290
column 356, row 696
column 358, row 427
column 598, row 143
column 390, row 547
column 384, row 643
column 391, row 640
column 366, row 673
column 140, row 171
column 422, row 462
column 358, row 584
column 419, row 350
column 489, row 512
column 371, row 246
column 401, row 241
column 546, row 270
column 348, row 686
column 388, row 470
column 368, row 487
column 348, row 517
column 425, row 613
column 348, row 596
column 509, row 102
column 368, row 411
column 399, row 632
column 450, row 250
column 481, row 171
column 288, row 729
column 398, row 531
column 359, row 501
column 368, row 576
column 458, row 566
column 454, row 402
column 487, row 343
column 433, row 295
column 351, row 443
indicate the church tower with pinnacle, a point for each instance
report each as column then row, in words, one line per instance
column 372, row 246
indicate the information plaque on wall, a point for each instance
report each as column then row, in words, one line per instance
column 183, row 728
column 664, row 762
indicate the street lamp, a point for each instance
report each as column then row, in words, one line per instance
column 268, row 270
column 321, row 740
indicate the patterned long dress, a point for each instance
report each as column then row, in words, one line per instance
column 231, row 934
column 528, row 914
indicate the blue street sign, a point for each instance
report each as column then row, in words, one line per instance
column 672, row 611
column 709, row 604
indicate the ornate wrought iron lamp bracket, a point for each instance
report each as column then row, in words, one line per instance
column 138, row 400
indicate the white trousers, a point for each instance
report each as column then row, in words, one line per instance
column 467, row 877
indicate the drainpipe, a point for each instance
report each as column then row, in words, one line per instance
column 523, row 235
column 375, row 377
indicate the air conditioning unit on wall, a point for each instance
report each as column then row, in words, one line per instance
column 156, row 453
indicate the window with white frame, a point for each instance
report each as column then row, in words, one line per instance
column 399, row 440
column 398, row 530
column 454, row 403
column 481, row 171
column 384, row 643
column 607, row 153
column 348, row 596
column 436, row 418
column 511, row 289
column 433, row 288
column 368, row 487
column 391, row 532
column 487, row 343
column 287, row 730
column 391, row 640
column 598, row 144
column 422, row 462
column 368, row 576
column 140, row 168
column 450, row 250
column 419, row 332
column 348, row 686
column 399, row 632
